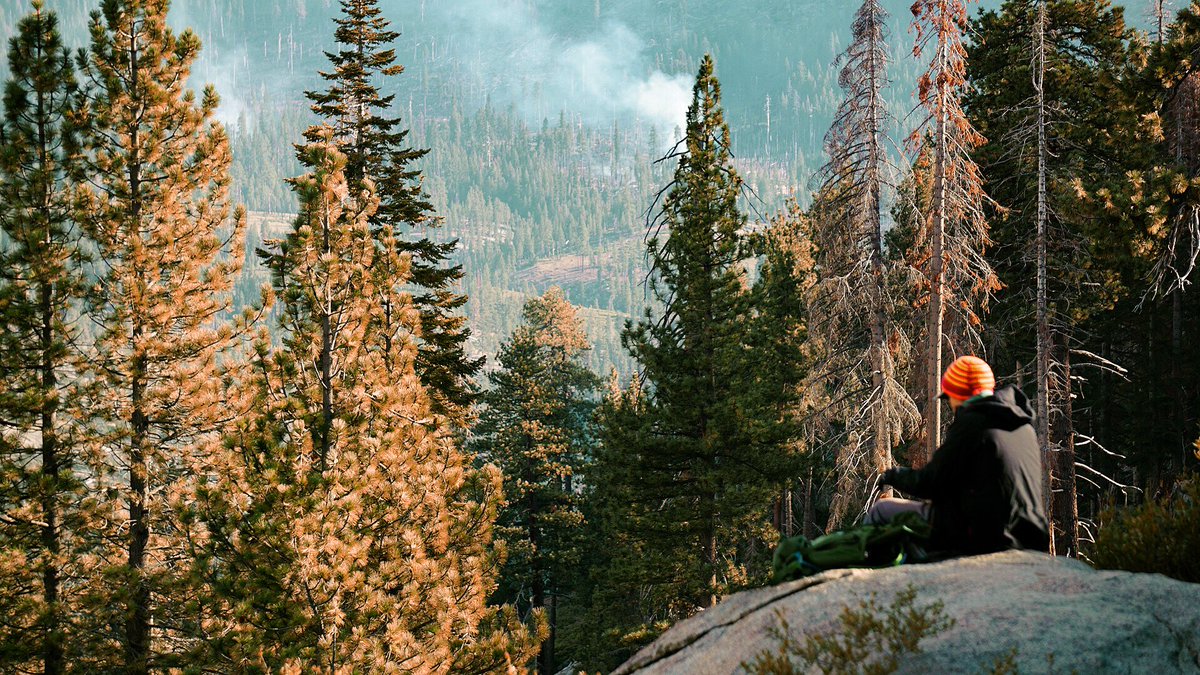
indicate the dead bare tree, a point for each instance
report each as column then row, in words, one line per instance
column 1054, row 420
column 853, row 305
column 1159, row 13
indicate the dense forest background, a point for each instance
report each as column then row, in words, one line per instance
column 543, row 121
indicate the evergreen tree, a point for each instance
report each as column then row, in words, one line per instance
column 1171, row 87
column 168, row 249
column 374, row 143
column 535, row 428
column 338, row 526
column 624, row 609
column 872, row 408
column 689, row 476
column 41, row 286
column 1142, row 212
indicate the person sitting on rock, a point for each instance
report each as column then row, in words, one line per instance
column 982, row 489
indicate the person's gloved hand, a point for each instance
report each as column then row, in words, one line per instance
column 889, row 476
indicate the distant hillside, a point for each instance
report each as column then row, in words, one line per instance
column 543, row 119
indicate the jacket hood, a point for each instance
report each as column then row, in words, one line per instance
column 1007, row 408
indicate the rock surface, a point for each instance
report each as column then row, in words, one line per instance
column 1089, row 621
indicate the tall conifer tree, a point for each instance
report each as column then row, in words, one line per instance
column 41, row 287
column 339, row 528
column 689, row 354
column 1175, row 91
column 535, row 428
column 373, row 140
column 169, row 247
column 1146, row 194
column 959, row 279
column 781, row 357
column 689, row 475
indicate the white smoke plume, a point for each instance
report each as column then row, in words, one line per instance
column 603, row 75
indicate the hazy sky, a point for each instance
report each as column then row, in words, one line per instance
column 520, row 58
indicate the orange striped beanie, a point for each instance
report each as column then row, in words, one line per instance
column 968, row 376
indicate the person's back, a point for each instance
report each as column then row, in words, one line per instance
column 983, row 484
column 991, row 497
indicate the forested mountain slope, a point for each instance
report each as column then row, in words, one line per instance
column 543, row 119
column 541, row 181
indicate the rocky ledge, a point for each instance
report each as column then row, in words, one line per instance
column 1059, row 614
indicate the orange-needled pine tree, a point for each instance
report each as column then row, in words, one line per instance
column 168, row 247
column 338, row 527
column 958, row 280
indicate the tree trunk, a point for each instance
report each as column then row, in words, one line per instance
column 809, row 526
column 1044, row 337
column 137, row 622
column 52, row 652
column 789, row 511
column 52, row 646
column 545, row 652
column 1178, row 417
column 1160, row 19
column 933, row 410
column 1152, row 386
column 782, row 515
column 326, row 359
column 710, row 555
column 880, row 373
column 547, row 659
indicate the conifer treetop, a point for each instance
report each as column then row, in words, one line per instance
column 355, row 106
column 699, row 213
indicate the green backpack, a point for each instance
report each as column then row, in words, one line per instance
column 884, row 545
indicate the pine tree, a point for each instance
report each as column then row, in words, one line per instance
column 689, row 354
column 1175, row 90
column 959, row 278
column 535, row 428
column 338, row 526
column 872, row 408
column 168, row 248
column 374, row 143
column 626, row 551
column 688, row 474
column 41, row 286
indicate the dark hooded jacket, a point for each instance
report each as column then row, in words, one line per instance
column 985, row 481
